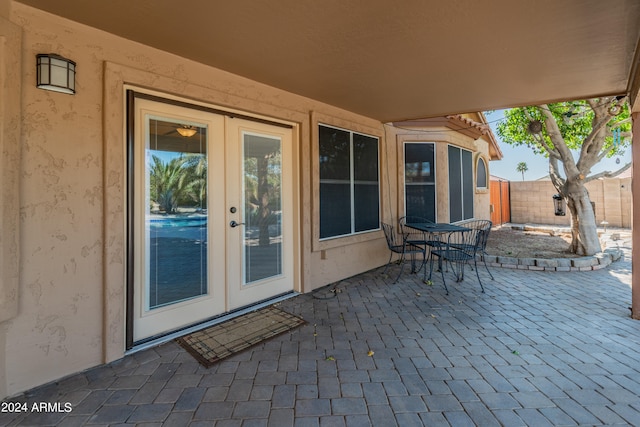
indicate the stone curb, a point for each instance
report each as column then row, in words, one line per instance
column 596, row 262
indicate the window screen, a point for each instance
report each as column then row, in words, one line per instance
column 419, row 180
column 349, row 182
column 460, row 184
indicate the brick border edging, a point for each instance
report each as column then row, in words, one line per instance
column 589, row 263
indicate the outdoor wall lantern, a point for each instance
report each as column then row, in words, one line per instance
column 56, row 73
column 558, row 203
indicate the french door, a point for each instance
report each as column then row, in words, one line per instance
column 211, row 215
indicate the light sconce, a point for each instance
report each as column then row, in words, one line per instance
column 187, row 131
column 56, row 73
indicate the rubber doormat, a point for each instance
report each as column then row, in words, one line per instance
column 220, row 341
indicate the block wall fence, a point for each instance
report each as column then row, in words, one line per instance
column 532, row 202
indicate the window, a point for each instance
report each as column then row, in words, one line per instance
column 420, row 180
column 460, row 184
column 481, row 174
column 349, row 183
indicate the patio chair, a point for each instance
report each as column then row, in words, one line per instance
column 459, row 249
column 398, row 244
column 478, row 224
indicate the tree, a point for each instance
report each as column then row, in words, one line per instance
column 594, row 129
column 262, row 192
column 179, row 182
column 522, row 167
column 167, row 182
column 195, row 168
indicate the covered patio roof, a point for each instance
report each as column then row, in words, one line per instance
column 394, row 61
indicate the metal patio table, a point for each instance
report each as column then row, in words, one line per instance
column 437, row 230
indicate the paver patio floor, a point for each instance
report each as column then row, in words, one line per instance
column 538, row 348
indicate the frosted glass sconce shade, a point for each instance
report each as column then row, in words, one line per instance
column 56, row 73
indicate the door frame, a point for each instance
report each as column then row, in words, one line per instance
column 130, row 95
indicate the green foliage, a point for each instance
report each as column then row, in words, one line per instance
column 522, row 168
column 559, row 131
column 574, row 119
column 179, row 182
column 262, row 188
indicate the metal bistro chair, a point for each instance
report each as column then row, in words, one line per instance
column 398, row 244
column 478, row 224
column 459, row 249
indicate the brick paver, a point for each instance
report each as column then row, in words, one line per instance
column 538, row 348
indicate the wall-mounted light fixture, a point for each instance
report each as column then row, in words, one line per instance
column 56, row 73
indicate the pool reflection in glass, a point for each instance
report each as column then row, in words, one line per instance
column 176, row 215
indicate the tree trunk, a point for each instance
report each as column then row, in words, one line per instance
column 264, row 212
column 584, row 232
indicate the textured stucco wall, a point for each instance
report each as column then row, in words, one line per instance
column 72, row 201
column 72, row 175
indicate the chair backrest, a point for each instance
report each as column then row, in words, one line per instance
column 389, row 234
column 484, row 228
column 475, row 223
column 480, row 240
column 477, row 239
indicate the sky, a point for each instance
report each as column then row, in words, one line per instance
column 538, row 165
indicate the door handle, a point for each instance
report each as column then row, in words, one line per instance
column 234, row 224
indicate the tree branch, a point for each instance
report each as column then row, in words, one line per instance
column 596, row 128
column 593, row 143
column 593, row 103
column 604, row 153
column 526, row 113
column 558, row 141
column 608, row 174
column 621, row 122
column 554, row 174
column 552, row 152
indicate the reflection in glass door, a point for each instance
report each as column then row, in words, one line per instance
column 262, row 207
column 212, row 216
column 178, row 275
column 176, row 214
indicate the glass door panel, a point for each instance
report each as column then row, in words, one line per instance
column 176, row 214
column 262, row 162
column 261, row 235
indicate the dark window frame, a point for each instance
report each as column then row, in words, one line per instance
column 485, row 182
column 462, row 185
column 432, row 184
column 355, row 226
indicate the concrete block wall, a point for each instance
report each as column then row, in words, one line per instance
column 532, row 202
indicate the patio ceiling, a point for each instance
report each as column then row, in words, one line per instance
column 393, row 60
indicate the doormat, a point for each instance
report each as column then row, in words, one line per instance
column 220, row 341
